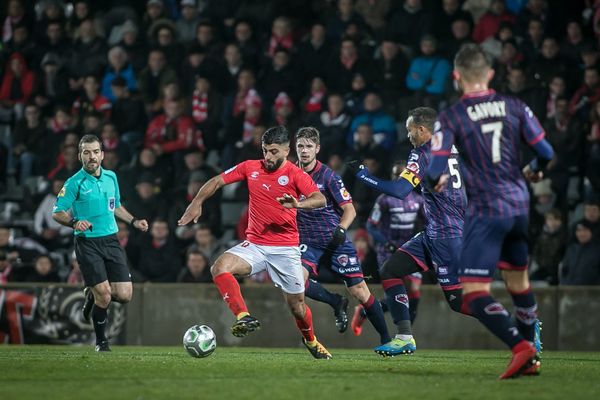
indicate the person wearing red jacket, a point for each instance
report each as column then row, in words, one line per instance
column 171, row 131
column 16, row 88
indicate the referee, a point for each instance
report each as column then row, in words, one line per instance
column 93, row 199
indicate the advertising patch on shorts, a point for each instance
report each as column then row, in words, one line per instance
column 411, row 177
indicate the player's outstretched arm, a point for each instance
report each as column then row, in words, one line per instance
column 194, row 209
column 534, row 170
column 314, row 200
column 400, row 188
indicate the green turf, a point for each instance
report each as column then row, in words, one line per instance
column 60, row 372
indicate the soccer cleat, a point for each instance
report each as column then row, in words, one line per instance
column 358, row 319
column 244, row 326
column 318, row 350
column 102, row 346
column 88, row 303
column 341, row 315
column 534, row 366
column 522, row 358
column 537, row 337
column 396, row 347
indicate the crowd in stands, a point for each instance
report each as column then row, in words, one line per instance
column 179, row 90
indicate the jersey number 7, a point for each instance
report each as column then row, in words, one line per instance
column 495, row 128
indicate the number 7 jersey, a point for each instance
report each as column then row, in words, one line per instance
column 488, row 129
column 444, row 211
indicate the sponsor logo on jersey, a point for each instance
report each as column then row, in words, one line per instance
column 231, row 169
column 62, row 192
column 476, row 271
column 254, row 175
column 413, row 156
column 343, row 260
column 353, row 260
column 320, row 186
column 283, row 180
column 436, row 141
column 345, row 194
column 349, row 270
column 411, row 177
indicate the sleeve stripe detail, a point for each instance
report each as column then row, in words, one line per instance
column 440, row 153
column 537, row 139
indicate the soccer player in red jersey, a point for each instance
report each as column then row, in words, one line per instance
column 272, row 244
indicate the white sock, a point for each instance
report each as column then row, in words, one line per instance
column 404, row 337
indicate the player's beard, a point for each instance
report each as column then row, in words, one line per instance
column 274, row 166
column 91, row 169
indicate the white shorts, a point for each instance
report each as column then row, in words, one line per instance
column 282, row 263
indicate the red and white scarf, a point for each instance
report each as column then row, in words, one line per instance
column 199, row 106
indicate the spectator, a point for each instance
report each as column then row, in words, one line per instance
column 17, row 87
column 581, row 264
column 198, row 64
column 284, row 113
column 211, row 216
column 245, row 39
column 162, row 36
column 22, row 42
column 549, row 248
column 315, row 52
column 81, row 12
column 333, row 124
column 75, row 276
column 409, row 23
column 587, row 94
column 158, row 259
column 15, row 16
column 281, row 36
column 489, row 22
column 118, row 66
column 187, row 24
column 460, row 34
column 448, row 14
column 206, row 111
column 374, row 13
column 28, row 144
column 557, row 87
column 146, row 164
column 279, row 76
column 172, row 133
column 111, row 141
column 365, row 252
column 206, row 242
column 517, row 85
column 131, row 43
column 155, row 11
column 128, row 114
column 153, row 78
column 53, row 86
column 544, row 200
column 197, row 268
column 313, row 103
column 345, row 15
column 91, row 100
column 67, row 162
column 16, row 254
column 206, row 38
column 341, row 71
column 55, row 40
column 548, row 63
column 42, row 271
column 50, row 233
column 382, row 125
column 364, row 144
column 88, row 51
column 146, row 201
column 391, row 70
column 532, row 44
column 428, row 75
column 127, row 242
column 573, row 43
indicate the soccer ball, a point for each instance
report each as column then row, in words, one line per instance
column 199, row 341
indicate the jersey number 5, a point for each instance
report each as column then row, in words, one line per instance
column 454, row 173
column 495, row 128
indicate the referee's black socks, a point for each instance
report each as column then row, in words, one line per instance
column 100, row 320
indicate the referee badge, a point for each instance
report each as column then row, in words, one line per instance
column 62, row 192
column 111, row 204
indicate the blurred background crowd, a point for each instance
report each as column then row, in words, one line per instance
column 179, row 90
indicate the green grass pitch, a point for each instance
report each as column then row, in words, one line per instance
column 67, row 372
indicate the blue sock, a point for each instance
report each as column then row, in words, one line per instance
column 375, row 316
column 384, row 306
column 316, row 291
column 413, row 306
column 493, row 315
column 397, row 301
column 525, row 312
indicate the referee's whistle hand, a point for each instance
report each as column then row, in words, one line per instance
column 141, row 224
column 82, row 226
column 192, row 212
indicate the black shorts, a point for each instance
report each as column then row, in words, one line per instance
column 101, row 259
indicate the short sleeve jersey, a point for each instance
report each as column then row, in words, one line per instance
column 269, row 223
column 395, row 218
column 316, row 226
column 488, row 129
column 93, row 199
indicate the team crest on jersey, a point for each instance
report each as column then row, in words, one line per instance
column 345, row 194
column 343, row 259
column 436, row 141
column 254, row 175
column 231, row 169
column 283, row 180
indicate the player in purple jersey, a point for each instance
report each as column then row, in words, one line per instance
column 437, row 247
column 392, row 223
column 323, row 239
column 488, row 129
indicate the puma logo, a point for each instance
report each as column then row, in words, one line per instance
column 266, row 186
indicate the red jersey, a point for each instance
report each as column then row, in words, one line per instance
column 269, row 223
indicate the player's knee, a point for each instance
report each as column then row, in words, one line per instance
column 296, row 306
column 360, row 292
column 102, row 297
column 218, row 268
column 516, row 281
column 398, row 266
